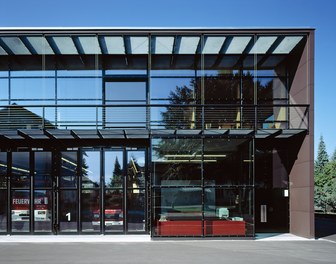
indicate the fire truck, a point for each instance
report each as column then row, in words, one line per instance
column 113, row 217
column 21, row 208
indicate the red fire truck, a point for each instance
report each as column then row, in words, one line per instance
column 21, row 207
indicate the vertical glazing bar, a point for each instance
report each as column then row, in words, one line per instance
column 32, row 194
column 97, row 117
column 202, row 140
column 79, row 189
column 255, row 92
column 43, row 116
column 103, row 101
column 240, row 72
column 102, row 191
column 288, row 101
column 149, row 66
column 125, row 209
column 9, row 87
column 56, row 112
column 252, row 202
column 9, row 173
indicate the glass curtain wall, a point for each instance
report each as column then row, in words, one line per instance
column 202, row 187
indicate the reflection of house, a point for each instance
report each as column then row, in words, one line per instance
column 18, row 117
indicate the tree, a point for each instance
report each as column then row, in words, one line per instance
column 322, row 157
column 325, row 179
column 117, row 177
column 333, row 156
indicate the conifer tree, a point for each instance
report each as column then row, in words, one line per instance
column 322, row 157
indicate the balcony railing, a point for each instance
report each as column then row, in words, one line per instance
column 155, row 116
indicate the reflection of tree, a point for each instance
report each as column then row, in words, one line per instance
column 176, row 150
column 181, row 117
column 223, row 89
column 117, row 177
column 135, row 173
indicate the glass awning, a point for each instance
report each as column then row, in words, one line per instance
column 117, row 134
column 175, row 44
column 181, row 50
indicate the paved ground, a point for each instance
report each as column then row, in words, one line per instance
column 258, row 252
column 270, row 248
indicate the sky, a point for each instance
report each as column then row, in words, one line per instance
column 318, row 14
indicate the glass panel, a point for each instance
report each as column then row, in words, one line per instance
column 272, row 167
column 136, row 169
column 178, row 90
column 42, row 210
column 113, row 169
column 270, row 90
column 3, row 90
column 74, row 117
column 87, row 73
column 3, row 210
column 3, row 170
column 248, row 87
column 228, row 162
column 114, row 215
column 18, row 117
column 177, row 161
column 68, row 169
column 90, row 212
column 33, row 88
column 174, row 92
column 20, row 177
column 91, row 169
column 228, row 212
column 20, row 210
column 79, row 88
column 68, row 209
column 123, row 93
column 32, row 73
column 136, row 210
column 178, row 211
column 4, row 73
column 43, row 169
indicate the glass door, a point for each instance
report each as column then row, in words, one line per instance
column 125, row 191
column 135, row 191
column 113, row 202
column 67, row 195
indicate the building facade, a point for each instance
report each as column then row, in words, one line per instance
column 168, row 132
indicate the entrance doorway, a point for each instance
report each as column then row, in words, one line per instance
column 91, row 190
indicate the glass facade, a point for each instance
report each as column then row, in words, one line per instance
column 167, row 133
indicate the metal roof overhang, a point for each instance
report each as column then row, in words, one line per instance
column 76, row 49
column 143, row 134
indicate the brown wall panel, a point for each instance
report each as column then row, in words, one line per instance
column 302, row 174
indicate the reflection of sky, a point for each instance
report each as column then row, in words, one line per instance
column 137, row 156
column 161, row 87
column 92, row 160
column 126, row 91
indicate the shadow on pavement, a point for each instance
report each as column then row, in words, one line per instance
column 325, row 226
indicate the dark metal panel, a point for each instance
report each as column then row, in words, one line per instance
column 267, row 133
column 241, row 132
column 188, row 132
column 60, row 134
column 215, row 132
column 112, row 133
column 137, row 133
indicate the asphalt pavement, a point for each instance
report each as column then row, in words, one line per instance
column 191, row 251
column 266, row 248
